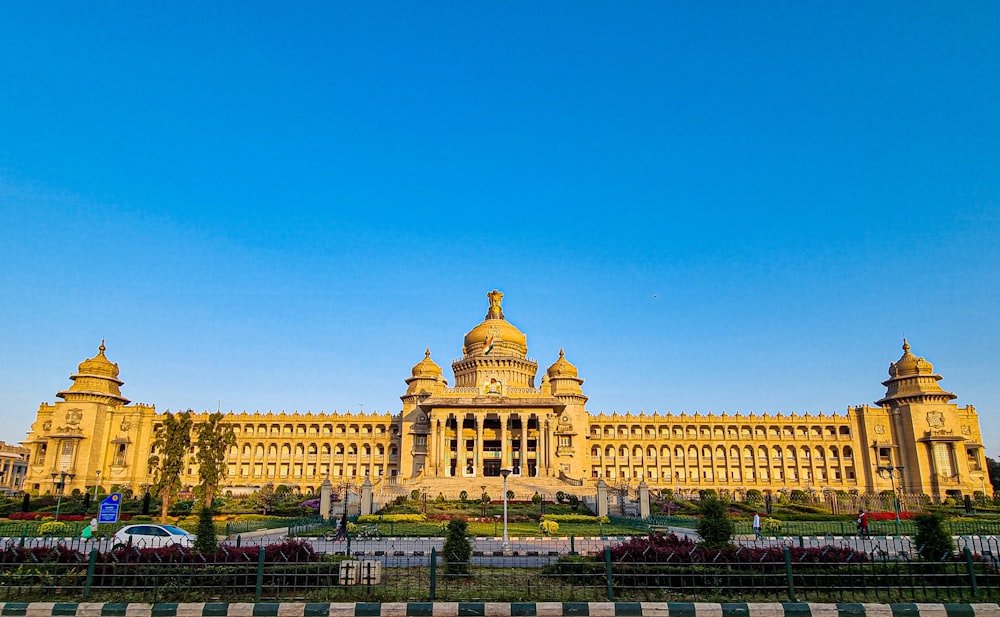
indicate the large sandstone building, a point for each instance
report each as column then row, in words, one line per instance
column 498, row 415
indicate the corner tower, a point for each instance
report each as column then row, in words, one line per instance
column 934, row 446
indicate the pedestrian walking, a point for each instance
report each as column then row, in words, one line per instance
column 862, row 522
column 756, row 526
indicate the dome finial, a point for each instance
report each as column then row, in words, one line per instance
column 906, row 346
column 495, row 312
column 562, row 354
column 102, row 348
column 427, row 352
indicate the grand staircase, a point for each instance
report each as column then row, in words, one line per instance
column 523, row 487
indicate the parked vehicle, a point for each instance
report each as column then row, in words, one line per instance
column 151, row 536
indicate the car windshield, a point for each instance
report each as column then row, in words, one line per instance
column 177, row 531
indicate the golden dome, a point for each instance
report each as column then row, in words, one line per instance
column 909, row 364
column 96, row 379
column 99, row 365
column 426, row 367
column 561, row 368
column 495, row 332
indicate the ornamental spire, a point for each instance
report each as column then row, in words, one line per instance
column 495, row 312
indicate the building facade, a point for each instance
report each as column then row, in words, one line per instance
column 496, row 416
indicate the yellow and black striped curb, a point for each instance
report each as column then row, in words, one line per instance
column 496, row 609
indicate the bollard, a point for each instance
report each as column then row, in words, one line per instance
column 801, row 543
column 260, row 574
column 788, row 573
column 972, row 571
column 91, row 566
column 607, row 573
column 433, row 590
column 572, row 545
column 238, row 540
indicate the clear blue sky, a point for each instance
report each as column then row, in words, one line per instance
column 279, row 206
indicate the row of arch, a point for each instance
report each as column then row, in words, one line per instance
column 285, row 451
column 731, row 431
column 759, row 454
column 317, row 429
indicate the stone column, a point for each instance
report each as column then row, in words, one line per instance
column 325, row 492
column 643, row 500
column 366, row 497
column 548, row 449
column 602, row 498
column 477, row 465
column 432, row 437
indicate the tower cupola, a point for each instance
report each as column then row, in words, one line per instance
column 912, row 380
column 96, row 380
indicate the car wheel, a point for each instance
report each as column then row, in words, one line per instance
column 119, row 547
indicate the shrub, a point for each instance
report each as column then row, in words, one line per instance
column 754, row 496
column 799, row 496
column 715, row 527
column 392, row 518
column 664, row 548
column 549, row 527
column 575, row 518
column 771, row 526
column 53, row 528
column 560, row 496
column 933, row 542
column 415, row 494
column 457, row 549
column 463, row 496
column 205, row 540
column 536, row 498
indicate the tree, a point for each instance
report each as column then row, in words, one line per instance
column 214, row 439
column 993, row 468
column 933, row 542
column 457, row 548
column 173, row 439
column 264, row 497
column 715, row 527
column 205, row 540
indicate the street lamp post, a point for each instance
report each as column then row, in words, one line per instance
column 97, row 483
column 506, row 541
column 890, row 473
column 482, row 500
column 59, row 485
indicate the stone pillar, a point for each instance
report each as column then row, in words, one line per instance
column 366, row 497
column 602, row 498
column 325, row 492
column 545, row 447
column 643, row 500
column 477, row 464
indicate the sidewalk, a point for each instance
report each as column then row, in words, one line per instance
column 496, row 609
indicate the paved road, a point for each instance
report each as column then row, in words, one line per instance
column 535, row 551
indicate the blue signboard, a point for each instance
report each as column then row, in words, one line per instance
column 109, row 508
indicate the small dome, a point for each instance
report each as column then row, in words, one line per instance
column 909, row 364
column 561, row 368
column 96, row 379
column 99, row 365
column 426, row 367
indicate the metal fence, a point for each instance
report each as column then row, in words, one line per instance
column 493, row 573
column 817, row 528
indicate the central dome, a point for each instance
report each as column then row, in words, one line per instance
column 495, row 335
